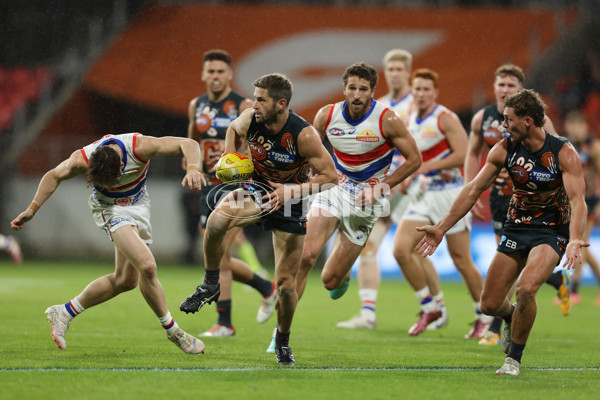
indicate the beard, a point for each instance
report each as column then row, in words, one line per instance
column 268, row 117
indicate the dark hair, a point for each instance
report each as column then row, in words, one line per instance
column 104, row 168
column 426, row 73
column 278, row 86
column 217, row 55
column 511, row 70
column 527, row 103
column 363, row 71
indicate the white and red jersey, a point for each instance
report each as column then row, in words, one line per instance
column 362, row 153
column 431, row 141
column 132, row 185
column 403, row 108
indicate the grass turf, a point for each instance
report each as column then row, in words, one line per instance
column 119, row 349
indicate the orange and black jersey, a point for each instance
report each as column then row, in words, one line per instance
column 275, row 156
column 539, row 197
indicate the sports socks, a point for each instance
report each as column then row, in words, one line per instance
column 368, row 298
column 555, row 279
column 496, row 325
column 246, row 252
column 224, row 311
column 73, row 308
column 264, row 286
column 508, row 318
column 516, row 351
column 168, row 323
column 426, row 300
column 282, row 339
column 211, row 277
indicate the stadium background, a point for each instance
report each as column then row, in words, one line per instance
column 73, row 71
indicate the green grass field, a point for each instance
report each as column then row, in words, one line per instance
column 118, row 349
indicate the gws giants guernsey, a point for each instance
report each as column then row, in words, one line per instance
column 275, row 156
column 432, row 143
column 362, row 152
column 132, row 186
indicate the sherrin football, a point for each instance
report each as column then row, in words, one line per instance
column 234, row 167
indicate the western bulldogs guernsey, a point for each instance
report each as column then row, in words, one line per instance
column 403, row 108
column 362, row 153
column 132, row 186
column 433, row 145
column 275, row 156
column 212, row 121
column 539, row 197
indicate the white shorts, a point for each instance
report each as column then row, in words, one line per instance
column 432, row 205
column 109, row 218
column 356, row 223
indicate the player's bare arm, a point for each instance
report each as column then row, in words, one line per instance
column 572, row 175
column 149, row 146
column 395, row 130
column 320, row 122
column 73, row 166
column 235, row 138
column 464, row 202
column 321, row 164
column 475, row 147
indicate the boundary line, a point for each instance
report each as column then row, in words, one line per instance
column 252, row 369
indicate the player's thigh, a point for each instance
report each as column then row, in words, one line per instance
column 128, row 243
column 288, row 252
column 541, row 262
column 341, row 258
column 501, row 275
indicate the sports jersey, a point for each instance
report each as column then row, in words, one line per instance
column 212, row 121
column 539, row 197
column 276, row 156
column 589, row 168
column 403, row 108
column 432, row 143
column 493, row 131
column 362, row 153
column 132, row 185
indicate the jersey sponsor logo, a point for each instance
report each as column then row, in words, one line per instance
column 281, row 157
column 221, row 122
column 367, row 136
column 258, row 151
column 340, row 132
column 542, row 176
column 429, row 133
column 373, row 181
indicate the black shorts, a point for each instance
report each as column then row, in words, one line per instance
column 499, row 208
column 291, row 217
column 523, row 238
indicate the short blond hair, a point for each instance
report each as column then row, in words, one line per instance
column 398, row 55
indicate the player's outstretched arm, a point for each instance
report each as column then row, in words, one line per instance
column 69, row 168
column 150, row 146
column 236, row 137
column 464, row 202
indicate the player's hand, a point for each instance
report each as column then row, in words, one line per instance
column 193, row 179
column 431, row 240
column 573, row 253
column 369, row 195
column 274, row 200
column 18, row 222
